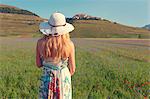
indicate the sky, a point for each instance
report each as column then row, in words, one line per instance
column 128, row 12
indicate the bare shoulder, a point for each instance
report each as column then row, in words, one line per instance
column 72, row 44
column 72, row 47
column 40, row 40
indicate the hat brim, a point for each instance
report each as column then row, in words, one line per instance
column 46, row 29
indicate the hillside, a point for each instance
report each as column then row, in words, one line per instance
column 106, row 28
column 14, row 10
column 18, row 22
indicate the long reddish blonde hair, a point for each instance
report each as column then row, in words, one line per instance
column 57, row 47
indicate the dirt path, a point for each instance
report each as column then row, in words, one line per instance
column 89, row 43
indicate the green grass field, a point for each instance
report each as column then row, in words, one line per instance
column 106, row 69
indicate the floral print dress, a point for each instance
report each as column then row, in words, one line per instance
column 55, row 81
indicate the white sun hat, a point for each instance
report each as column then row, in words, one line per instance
column 56, row 25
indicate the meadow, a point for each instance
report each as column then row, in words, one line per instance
column 105, row 68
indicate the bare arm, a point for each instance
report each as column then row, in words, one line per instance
column 72, row 66
column 38, row 61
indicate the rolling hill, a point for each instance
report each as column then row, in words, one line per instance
column 14, row 10
column 107, row 29
column 147, row 26
column 15, row 21
column 18, row 22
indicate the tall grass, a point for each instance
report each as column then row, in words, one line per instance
column 101, row 74
column 106, row 75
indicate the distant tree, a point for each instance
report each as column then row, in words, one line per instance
column 139, row 36
column 106, row 20
column 16, row 11
column 69, row 20
column 115, row 22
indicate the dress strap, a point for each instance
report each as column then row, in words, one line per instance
column 61, row 63
column 64, row 59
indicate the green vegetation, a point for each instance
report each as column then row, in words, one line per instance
column 7, row 9
column 106, row 75
column 105, row 72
